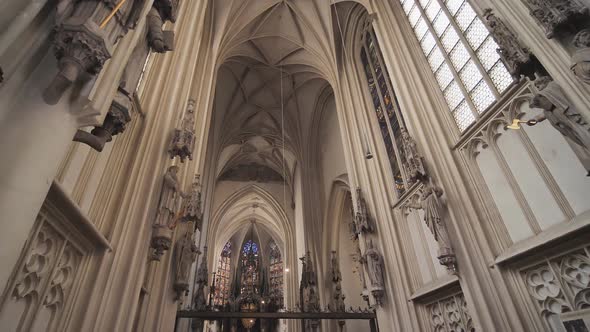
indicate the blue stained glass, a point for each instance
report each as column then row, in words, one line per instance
column 385, row 109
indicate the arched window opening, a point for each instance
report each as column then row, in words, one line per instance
column 389, row 116
column 222, row 277
column 276, row 274
column 461, row 54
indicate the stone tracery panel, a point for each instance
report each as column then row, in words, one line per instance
column 559, row 285
column 43, row 282
column 450, row 314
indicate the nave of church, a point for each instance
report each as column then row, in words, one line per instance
column 295, row 165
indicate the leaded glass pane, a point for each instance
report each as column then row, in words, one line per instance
column 476, row 34
column 408, row 5
column 487, row 53
column 428, row 43
column 454, row 5
column 470, row 75
column 459, row 56
column 385, row 104
column 451, row 56
column 432, row 10
column 482, row 96
column 435, row 59
column 449, row 39
column 440, row 24
column 501, row 77
column 463, row 116
column 420, row 28
column 414, row 16
column 444, row 76
column 465, row 16
column 453, row 95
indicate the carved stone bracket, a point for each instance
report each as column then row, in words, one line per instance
column 556, row 16
column 161, row 241
column 82, row 47
column 518, row 59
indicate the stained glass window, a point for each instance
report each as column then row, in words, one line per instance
column 222, row 277
column 461, row 54
column 386, row 107
column 276, row 274
column 250, row 276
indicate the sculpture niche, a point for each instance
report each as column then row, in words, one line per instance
column 85, row 39
column 168, row 206
column 308, row 292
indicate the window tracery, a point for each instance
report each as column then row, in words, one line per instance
column 276, row 274
column 462, row 55
column 250, row 276
column 391, row 122
column 222, row 277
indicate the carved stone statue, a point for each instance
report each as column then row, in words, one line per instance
column 185, row 254
column 430, row 202
column 581, row 56
column 557, row 15
column 202, row 279
column 364, row 222
column 169, row 198
column 375, row 269
column 161, row 11
column 183, row 141
column 166, row 215
column 337, row 295
column 83, row 47
column 414, row 162
column 308, row 288
column 518, row 59
column 191, row 210
column 564, row 117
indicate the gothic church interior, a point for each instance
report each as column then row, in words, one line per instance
column 295, row 165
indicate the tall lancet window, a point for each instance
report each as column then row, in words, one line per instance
column 222, row 277
column 276, row 274
column 461, row 54
column 386, row 106
column 250, row 277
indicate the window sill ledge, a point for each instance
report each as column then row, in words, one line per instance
column 436, row 286
column 549, row 237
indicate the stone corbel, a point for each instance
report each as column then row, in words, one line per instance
column 519, row 60
column 114, row 124
column 558, row 16
column 82, row 46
